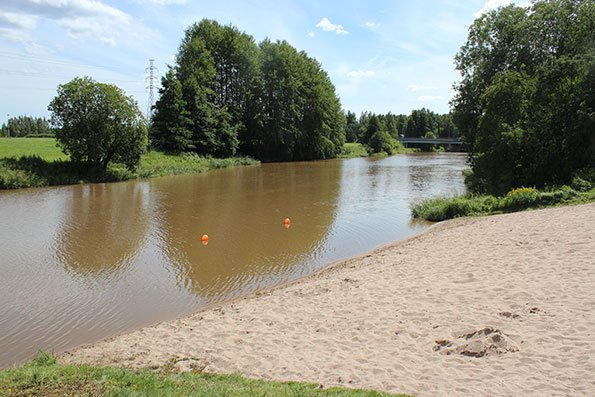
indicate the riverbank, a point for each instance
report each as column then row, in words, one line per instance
column 45, row 377
column 499, row 305
column 443, row 208
column 37, row 162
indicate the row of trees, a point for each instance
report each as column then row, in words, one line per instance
column 226, row 94
column 526, row 103
column 22, row 126
column 420, row 123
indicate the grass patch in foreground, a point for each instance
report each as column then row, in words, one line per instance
column 45, row 377
column 35, row 171
column 441, row 208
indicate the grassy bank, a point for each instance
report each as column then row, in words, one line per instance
column 356, row 149
column 441, row 208
column 45, row 377
column 38, row 162
column 351, row 150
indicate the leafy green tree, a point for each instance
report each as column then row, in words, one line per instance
column 390, row 120
column 218, row 70
column 525, row 104
column 420, row 122
column 301, row 114
column 98, row 124
column 374, row 125
column 270, row 101
column 401, row 124
column 351, row 127
column 381, row 141
column 171, row 124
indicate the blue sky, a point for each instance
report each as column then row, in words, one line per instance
column 381, row 55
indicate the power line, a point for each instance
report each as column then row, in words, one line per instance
column 151, row 79
column 41, row 74
column 38, row 58
column 54, row 89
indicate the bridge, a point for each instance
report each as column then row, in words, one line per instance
column 447, row 143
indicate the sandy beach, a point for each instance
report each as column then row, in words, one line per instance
column 499, row 305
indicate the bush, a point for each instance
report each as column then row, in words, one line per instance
column 381, row 141
column 580, row 184
column 439, row 209
column 521, row 198
column 45, row 135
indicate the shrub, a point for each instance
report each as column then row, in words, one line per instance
column 381, row 141
column 580, row 184
column 521, row 198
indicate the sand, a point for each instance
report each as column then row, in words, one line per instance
column 499, row 305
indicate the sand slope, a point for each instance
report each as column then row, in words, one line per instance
column 501, row 305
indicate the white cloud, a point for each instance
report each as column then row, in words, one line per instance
column 13, row 35
column 417, row 88
column 427, row 98
column 18, row 21
column 373, row 26
column 326, row 25
column 493, row 4
column 311, row 34
column 358, row 74
column 80, row 18
column 162, row 2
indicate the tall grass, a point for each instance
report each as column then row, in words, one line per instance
column 441, row 208
column 45, row 377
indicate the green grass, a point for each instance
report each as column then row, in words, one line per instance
column 43, row 147
column 442, row 208
column 356, row 149
column 37, row 162
column 45, row 377
column 353, row 150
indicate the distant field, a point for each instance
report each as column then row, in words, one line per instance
column 19, row 172
column 43, row 147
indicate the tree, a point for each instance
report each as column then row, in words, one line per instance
column 269, row 101
column 381, row 141
column 351, row 127
column 375, row 124
column 171, row 126
column 525, row 105
column 301, row 114
column 217, row 67
column 98, row 124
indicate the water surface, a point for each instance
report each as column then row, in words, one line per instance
column 79, row 263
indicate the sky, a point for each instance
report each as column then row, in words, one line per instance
column 381, row 55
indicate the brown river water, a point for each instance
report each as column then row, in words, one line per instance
column 80, row 263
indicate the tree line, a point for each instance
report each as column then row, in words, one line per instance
column 380, row 131
column 526, row 104
column 23, row 126
column 226, row 94
column 420, row 123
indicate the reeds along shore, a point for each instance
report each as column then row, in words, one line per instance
column 499, row 305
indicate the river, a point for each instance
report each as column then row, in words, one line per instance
column 80, row 263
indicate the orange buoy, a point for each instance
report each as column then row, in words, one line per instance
column 205, row 239
column 287, row 222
